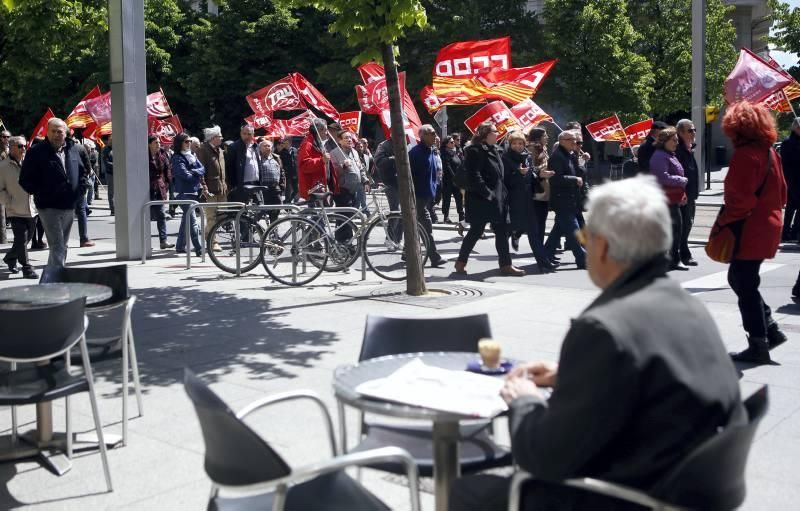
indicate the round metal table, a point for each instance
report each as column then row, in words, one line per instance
column 445, row 424
column 54, row 293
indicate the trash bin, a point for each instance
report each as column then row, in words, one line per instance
column 720, row 156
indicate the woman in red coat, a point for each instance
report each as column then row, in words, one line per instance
column 755, row 193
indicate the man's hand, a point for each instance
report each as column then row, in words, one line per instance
column 518, row 387
column 546, row 173
column 542, row 373
column 347, row 164
column 580, row 182
column 366, row 187
column 326, row 157
column 523, row 169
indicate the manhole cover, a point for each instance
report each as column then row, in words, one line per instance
column 440, row 296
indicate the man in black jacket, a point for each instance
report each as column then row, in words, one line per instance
column 54, row 173
column 790, row 158
column 646, row 149
column 288, row 156
column 643, row 377
column 685, row 154
column 565, row 195
column 243, row 165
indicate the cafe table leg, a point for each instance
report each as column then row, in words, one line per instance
column 446, row 467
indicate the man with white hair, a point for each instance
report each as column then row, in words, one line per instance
column 54, row 173
column 215, row 187
column 565, row 197
column 643, row 377
column 20, row 207
column 685, row 154
column 424, row 173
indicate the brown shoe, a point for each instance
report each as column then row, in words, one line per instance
column 461, row 267
column 512, row 271
column 87, row 243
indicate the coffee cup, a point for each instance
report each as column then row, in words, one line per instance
column 489, row 350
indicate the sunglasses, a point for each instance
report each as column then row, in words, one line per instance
column 579, row 142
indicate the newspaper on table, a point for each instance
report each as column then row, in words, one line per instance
column 458, row 392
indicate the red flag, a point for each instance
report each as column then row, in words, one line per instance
column 370, row 72
column 429, row 98
column 607, row 130
column 313, row 96
column 297, row 126
column 778, row 102
column 281, row 95
column 259, row 121
column 41, row 127
column 499, row 114
column 752, row 79
column 469, row 58
column 637, row 132
column 157, row 105
column 100, row 108
column 79, row 117
column 364, row 103
column 351, row 121
column 516, row 85
column 165, row 129
column 529, row 114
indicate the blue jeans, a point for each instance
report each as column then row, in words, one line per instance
column 194, row 226
column 57, row 225
column 83, row 220
column 566, row 223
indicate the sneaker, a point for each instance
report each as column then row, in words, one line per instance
column 87, row 243
column 165, row 245
column 757, row 352
column 216, row 248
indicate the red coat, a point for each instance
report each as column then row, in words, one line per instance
column 761, row 233
column 311, row 168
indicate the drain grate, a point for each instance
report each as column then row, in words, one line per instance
column 440, row 296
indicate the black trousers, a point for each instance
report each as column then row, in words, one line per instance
column 541, row 209
column 272, row 197
column 687, row 221
column 23, row 229
column 501, row 233
column 677, row 231
column 744, row 279
column 395, row 226
column 450, row 190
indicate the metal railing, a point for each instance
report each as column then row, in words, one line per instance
column 146, row 246
column 237, row 226
column 205, row 205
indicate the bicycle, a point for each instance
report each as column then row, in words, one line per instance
column 252, row 226
column 297, row 248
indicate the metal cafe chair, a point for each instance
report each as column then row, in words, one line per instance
column 711, row 477
column 39, row 335
column 247, row 474
column 392, row 336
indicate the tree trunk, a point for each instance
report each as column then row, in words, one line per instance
column 415, row 281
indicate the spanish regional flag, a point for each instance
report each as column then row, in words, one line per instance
column 79, row 117
column 512, row 85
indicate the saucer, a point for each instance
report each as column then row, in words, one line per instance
column 478, row 367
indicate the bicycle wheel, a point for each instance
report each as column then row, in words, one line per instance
column 289, row 246
column 341, row 254
column 385, row 256
column 223, row 233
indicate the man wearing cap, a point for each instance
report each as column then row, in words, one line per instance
column 214, row 183
column 647, row 148
column 21, row 209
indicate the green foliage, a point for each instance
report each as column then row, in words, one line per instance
column 786, row 26
column 598, row 72
column 667, row 44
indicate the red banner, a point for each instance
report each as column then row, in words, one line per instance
column 79, row 117
column 41, row 127
column 607, row 130
column 778, row 102
column 100, row 108
column 753, row 79
column 157, row 105
column 499, row 114
column 351, row 121
column 281, row 95
column 165, row 129
column 529, row 114
column 313, row 96
column 637, row 132
column 259, row 121
column 297, row 126
column 370, row 72
column 516, row 85
column 469, row 58
column 374, row 98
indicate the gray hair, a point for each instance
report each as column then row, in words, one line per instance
column 320, row 124
column 56, row 120
column 566, row 133
column 684, row 124
column 426, row 128
column 194, row 140
column 16, row 140
column 266, row 141
column 632, row 214
column 213, row 131
column 6, row 133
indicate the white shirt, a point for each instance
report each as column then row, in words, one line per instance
column 251, row 164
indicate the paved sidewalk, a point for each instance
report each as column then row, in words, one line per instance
column 249, row 337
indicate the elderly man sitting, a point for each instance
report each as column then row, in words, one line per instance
column 643, row 377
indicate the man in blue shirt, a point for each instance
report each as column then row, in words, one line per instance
column 423, row 173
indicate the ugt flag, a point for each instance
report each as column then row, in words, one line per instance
column 752, row 79
column 165, row 129
column 281, row 95
column 157, row 105
column 313, row 96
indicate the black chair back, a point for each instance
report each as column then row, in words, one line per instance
column 392, row 336
column 235, row 454
column 115, row 277
column 40, row 332
column 712, row 476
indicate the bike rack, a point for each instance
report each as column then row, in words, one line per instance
column 146, row 246
column 363, row 218
column 204, row 205
column 238, row 218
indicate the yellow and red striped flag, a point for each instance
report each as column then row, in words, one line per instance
column 79, row 117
